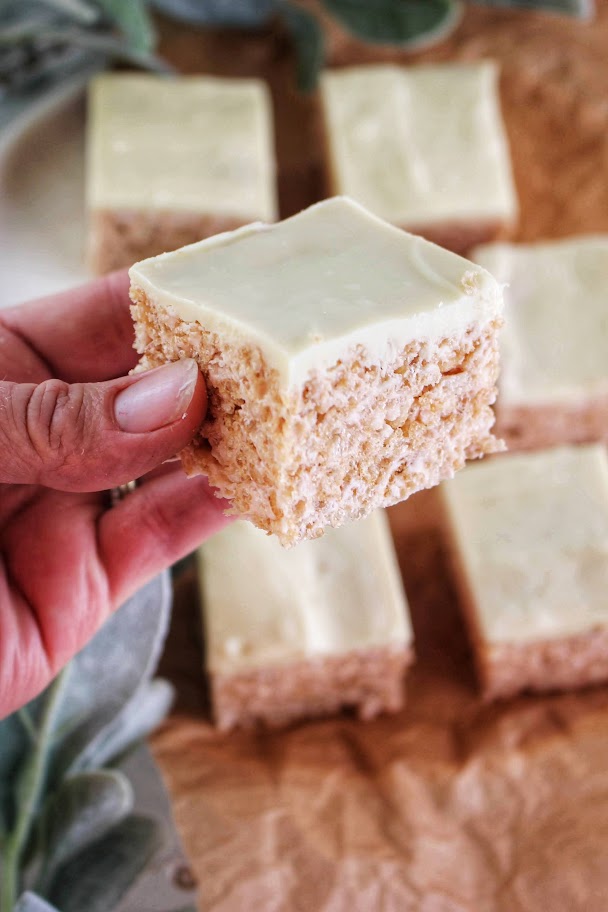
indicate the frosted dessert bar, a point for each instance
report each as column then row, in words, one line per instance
column 348, row 363
column 529, row 538
column 304, row 632
column 424, row 147
column 553, row 385
column 174, row 160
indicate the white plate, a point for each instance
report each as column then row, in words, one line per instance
column 42, row 217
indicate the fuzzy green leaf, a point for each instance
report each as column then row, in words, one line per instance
column 13, row 743
column 220, row 13
column 96, row 878
column 140, row 716
column 79, row 10
column 410, row 23
column 309, row 44
column 30, row 902
column 582, row 9
column 109, row 672
column 82, row 810
column 134, row 22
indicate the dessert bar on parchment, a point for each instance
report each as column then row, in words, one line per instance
column 305, row 631
column 348, row 363
column 529, row 541
column 174, row 160
column 423, row 147
column 553, row 386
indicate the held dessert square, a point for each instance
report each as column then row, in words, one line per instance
column 529, row 539
column 348, row 363
column 554, row 348
column 304, row 632
column 423, row 147
column 173, row 160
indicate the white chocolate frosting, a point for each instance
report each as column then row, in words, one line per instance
column 264, row 605
column 532, row 535
column 554, row 345
column 191, row 143
column 420, row 145
column 311, row 288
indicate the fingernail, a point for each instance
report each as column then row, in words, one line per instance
column 159, row 398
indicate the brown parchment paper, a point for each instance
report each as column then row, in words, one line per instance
column 451, row 805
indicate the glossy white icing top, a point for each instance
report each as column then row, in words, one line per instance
column 191, row 143
column 309, row 289
column 554, row 344
column 422, row 144
column 532, row 535
column 264, row 605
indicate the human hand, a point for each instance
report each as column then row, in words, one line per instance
column 72, row 426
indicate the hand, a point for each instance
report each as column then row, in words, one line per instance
column 72, row 425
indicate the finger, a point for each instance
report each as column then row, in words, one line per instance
column 92, row 436
column 154, row 526
column 84, row 334
column 55, row 590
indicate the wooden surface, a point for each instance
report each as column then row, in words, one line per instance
column 452, row 805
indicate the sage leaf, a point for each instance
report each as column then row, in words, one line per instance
column 48, row 79
column 82, row 810
column 140, row 716
column 309, row 44
column 96, row 878
column 582, row 9
column 30, row 902
column 220, row 13
column 133, row 21
column 401, row 22
column 77, row 9
column 13, row 744
column 107, row 674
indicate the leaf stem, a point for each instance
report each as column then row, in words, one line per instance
column 32, row 781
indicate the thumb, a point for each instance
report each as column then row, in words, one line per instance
column 93, row 436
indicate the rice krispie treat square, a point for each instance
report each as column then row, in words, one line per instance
column 171, row 160
column 553, row 385
column 529, row 541
column 304, row 632
column 348, row 363
column 423, row 147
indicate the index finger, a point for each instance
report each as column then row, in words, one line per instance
column 85, row 334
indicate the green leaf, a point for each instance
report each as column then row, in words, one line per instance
column 309, row 44
column 583, row 9
column 30, row 902
column 30, row 782
column 400, row 22
column 76, row 9
column 220, row 13
column 108, row 673
column 13, row 744
column 96, row 878
column 140, row 716
column 134, row 22
column 82, row 810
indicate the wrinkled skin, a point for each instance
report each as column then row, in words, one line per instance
column 68, row 559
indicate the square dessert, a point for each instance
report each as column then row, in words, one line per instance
column 423, row 147
column 553, row 386
column 304, row 632
column 529, row 541
column 348, row 364
column 171, row 160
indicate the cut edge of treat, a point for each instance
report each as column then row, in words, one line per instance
column 118, row 238
column 371, row 681
column 260, row 448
